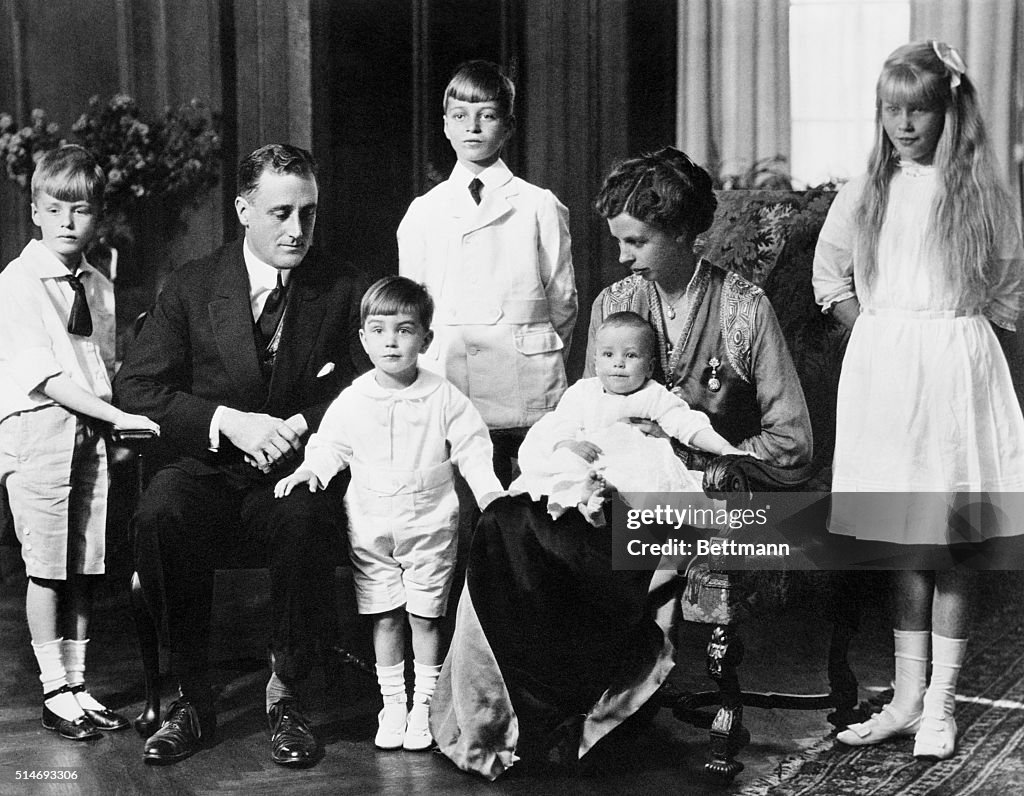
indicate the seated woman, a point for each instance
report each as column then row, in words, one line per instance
column 587, row 444
column 553, row 649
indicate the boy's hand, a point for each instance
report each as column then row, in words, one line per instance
column 124, row 421
column 587, row 451
column 285, row 486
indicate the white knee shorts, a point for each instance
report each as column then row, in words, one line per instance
column 55, row 469
column 403, row 538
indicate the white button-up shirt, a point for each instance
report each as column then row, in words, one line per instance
column 35, row 345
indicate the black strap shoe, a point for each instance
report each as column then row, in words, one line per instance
column 292, row 741
column 105, row 719
column 185, row 731
column 80, row 729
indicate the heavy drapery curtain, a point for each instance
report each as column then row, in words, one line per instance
column 990, row 36
column 733, row 86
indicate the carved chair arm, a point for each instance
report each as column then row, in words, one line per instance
column 733, row 475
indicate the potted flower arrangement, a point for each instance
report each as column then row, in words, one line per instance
column 164, row 163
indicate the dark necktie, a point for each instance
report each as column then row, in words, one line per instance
column 475, row 188
column 79, row 321
column 273, row 309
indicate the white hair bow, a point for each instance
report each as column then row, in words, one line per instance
column 951, row 58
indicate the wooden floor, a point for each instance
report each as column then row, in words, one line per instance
column 785, row 654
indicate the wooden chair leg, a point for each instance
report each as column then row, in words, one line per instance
column 148, row 721
column 845, row 610
column 728, row 735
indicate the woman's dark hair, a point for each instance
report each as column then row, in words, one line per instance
column 664, row 189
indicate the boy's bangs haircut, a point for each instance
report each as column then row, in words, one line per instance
column 902, row 84
column 630, row 320
column 481, row 81
column 71, row 174
column 395, row 294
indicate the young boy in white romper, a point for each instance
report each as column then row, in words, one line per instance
column 402, row 430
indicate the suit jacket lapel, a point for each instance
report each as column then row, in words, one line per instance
column 231, row 318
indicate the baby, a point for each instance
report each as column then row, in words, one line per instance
column 588, row 442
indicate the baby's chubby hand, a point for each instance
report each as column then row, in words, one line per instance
column 285, row 486
column 587, row 451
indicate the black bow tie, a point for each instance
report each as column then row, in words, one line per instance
column 80, row 320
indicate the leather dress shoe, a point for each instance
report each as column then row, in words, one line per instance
column 80, row 729
column 185, row 730
column 292, row 741
column 105, row 719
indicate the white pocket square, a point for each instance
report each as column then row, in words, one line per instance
column 328, row 368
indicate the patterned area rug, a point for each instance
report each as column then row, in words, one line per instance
column 990, row 715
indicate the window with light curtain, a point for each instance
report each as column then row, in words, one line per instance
column 836, row 50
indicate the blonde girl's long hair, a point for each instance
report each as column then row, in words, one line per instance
column 970, row 199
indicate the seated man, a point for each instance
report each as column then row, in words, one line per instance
column 238, row 362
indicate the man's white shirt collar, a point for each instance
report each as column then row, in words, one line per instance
column 262, row 278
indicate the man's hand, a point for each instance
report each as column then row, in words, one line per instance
column 587, row 451
column 265, row 440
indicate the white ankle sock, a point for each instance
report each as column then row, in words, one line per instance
column 425, row 683
column 53, row 677
column 947, row 658
column 51, row 664
column 392, row 682
column 73, row 654
column 911, row 671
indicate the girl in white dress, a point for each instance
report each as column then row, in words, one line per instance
column 922, row 259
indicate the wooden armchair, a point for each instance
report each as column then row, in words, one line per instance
column 150, row 626
column 769, row 238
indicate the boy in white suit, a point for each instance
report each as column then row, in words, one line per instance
column 494, row 251
column 402, row 430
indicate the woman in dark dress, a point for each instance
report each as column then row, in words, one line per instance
column 553, row 648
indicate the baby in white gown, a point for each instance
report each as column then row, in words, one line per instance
column 588, row 443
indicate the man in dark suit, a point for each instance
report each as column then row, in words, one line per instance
column 238, row 362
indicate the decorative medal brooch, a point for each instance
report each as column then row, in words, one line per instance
column 713, row 383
